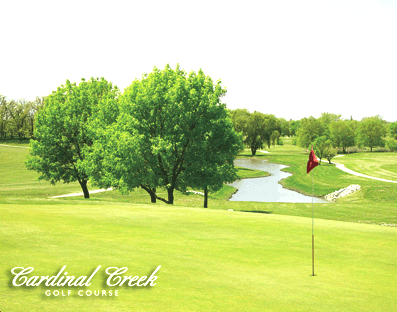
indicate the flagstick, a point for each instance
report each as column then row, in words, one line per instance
column 312, row 223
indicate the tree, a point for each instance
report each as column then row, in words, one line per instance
column 240, row 119
column 272, row 127
column 325, row 120
column 330, row 153
column 294, row 127
column 259, row 130
column 3, row 115
column 371, row 132
column 393, row 130
column 35, row 106
column 256, row 127
column 328, row 118
column 342, row 134
column 284, row 126
column 62, row 130
column 18, row 112
column 274, row 137
column 310, row 129
column 254, row 135
column 321, row 146
column 391, row 144
column 220, row 147
column 162, row 132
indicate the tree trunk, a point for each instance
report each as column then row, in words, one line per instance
column 206, row 197
column 83, row 185
column 153, row 196
column 253, row 151
column 170, row 195
column 152, row 192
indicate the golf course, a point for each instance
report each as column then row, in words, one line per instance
column 232, row 256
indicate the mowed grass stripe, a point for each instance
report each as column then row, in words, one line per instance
column 379, row 165
column 211, row 260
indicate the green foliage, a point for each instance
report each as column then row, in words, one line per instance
column 330, row 153
column 393, row 130
column 255, row 132
column 17, row 117
column 321, row 146
column 220, row 147
column 310, row 129
column 239, row 118
column 391, row 144
column 172, row 132
column 294, row 127
column 371, row 132
column 257, row 128
column 275, row 136
column 284, row 127
column 328, row 118
column 63, row 130
column 342, row 134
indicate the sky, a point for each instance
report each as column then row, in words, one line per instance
column 293, row 59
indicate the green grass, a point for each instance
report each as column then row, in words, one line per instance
column 17, row 183
column 380, row 165
column 211, row 260
column 374, row 203
column 245, row 173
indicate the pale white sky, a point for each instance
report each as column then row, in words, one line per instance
column 289, row 58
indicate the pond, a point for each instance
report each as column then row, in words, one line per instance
column 267, row 189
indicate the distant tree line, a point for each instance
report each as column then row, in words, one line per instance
column 17, row 117
column 328, row 134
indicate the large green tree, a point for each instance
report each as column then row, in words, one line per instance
column 62, row 129
column 240, row 118
column 255, row 132
column 342, row 134
column 257, row 128
column 309, row 130
column 371, row 131
column 220, row 147
column 167, row 129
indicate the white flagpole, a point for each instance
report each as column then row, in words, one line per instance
column 312, row 224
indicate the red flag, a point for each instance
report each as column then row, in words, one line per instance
column 313, row 162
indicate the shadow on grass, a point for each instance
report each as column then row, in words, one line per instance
column 257, row 211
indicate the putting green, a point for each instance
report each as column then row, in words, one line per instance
column 211, row 260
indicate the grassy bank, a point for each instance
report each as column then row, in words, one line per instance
column 374, row 203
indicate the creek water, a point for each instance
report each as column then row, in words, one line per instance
column 266, row 189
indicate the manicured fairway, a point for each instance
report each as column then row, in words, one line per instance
column 210, row 260
column 379, row 165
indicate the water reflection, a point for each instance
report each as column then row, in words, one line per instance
column 266, row 189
